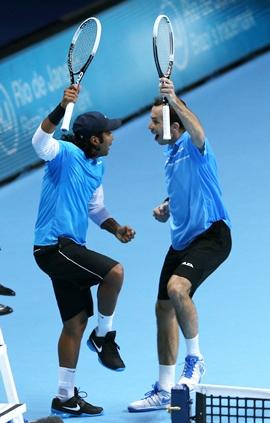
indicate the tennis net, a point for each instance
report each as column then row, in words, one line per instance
column 220, row 404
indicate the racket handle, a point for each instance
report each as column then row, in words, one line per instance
column 67, row 117
column 166, row 122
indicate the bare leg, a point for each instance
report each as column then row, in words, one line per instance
column 167, row 343
column 70, row 340
column 109, row 289
column 178, row 291
column 167, row 333
column 102, row 339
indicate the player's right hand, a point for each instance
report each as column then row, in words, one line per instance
column 166, row 87
column 162, row 212
column 70, row 95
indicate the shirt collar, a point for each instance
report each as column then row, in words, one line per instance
column 173, row 148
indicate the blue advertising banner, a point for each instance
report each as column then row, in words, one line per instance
column 122, row 79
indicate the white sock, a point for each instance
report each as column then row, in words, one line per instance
column 104, row 324
column 66, row 383
column 192, row 345
column 166, row 377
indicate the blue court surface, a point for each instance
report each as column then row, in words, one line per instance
column 233, row 304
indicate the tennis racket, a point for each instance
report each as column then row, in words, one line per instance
column 82, row 50
column 163, row 49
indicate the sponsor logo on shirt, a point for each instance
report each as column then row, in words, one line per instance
column 177, row 156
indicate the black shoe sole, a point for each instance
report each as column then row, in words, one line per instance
column 66, row 414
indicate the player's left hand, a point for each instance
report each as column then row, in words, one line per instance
column 125, row 234
column 162, row 212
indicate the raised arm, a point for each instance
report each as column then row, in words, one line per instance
column 188, row 118
column 54, row 118
column 43, row 142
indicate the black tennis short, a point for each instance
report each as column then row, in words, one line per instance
column 197, row 261
column 73, row 269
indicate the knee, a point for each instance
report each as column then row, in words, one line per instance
column 76, row 327
column 118, row 271
column 116, row 274
column 178, row 287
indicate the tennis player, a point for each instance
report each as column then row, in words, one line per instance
column 200, row 242
column 71, row 192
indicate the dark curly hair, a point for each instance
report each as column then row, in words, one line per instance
column 83, row 143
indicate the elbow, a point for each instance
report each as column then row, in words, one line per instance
column 34, row 142
column 199, row 139
column 36, row 146
column 98, row 214
column 36, row 138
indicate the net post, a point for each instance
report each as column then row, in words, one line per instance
column 180, row 404
column 200, row 416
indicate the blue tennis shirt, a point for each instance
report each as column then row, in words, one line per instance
column 194, row 191
column 68, row 185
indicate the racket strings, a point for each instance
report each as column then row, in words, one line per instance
column 83, row 46
column 163, row 43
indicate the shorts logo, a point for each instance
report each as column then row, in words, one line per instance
column 187, row 264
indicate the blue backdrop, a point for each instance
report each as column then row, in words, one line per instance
column 233, row 304
column 122, row 79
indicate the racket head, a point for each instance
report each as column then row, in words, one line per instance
column 163, row 46
column 83, row 47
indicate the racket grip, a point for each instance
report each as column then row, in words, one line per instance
column 67, row 117
column 166, row 122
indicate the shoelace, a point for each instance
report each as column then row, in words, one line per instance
column 80, row 395
column 114, row 346
column 189, row 368
column 153, row 397
column 153, row 391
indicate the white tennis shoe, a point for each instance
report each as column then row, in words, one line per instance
column 156, row 399
column 193, row 371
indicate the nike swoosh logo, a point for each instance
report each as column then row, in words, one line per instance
column 77, row 408
column 95, row 345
